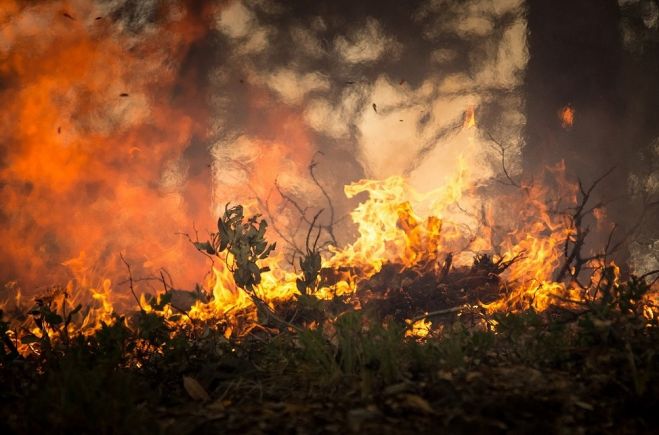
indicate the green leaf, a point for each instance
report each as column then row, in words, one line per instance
column 268, row 250
column 253, row 268
column 223, row 244
column 263, row 225
column 205, row 247
column 260, row 247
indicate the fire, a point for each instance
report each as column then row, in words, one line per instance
column 396, row 224
column 96, row 125
column 470, row 117
column 420, row 328
column 389, row 228
column 566, row 115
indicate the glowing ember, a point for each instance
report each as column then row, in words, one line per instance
column 566, row 115
column 419, row 328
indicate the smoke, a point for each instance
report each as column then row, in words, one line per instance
column 380, row 90
column 97, row 130
column 128, row 122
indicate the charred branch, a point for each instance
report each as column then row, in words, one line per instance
column 130, row 282
column 574, row 243
column 329, row 228
column 501, row 150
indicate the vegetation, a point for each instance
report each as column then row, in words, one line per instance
column 590, row 367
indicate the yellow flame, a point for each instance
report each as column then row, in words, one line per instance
column 396, row 224
column 420, row 329
column 470, row 117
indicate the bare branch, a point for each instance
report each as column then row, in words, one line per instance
column 329, row 228
column 130, row 280
column 574, row 261
column 647, row 274
column 311, row 226
column 502, row 152
column 436, row 313
column 289, row 199
column 192, row 242
column 265, row 207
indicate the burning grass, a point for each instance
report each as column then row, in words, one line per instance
column 593, row 368
column 435, row 315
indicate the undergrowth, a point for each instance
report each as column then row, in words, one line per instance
column 590, row 368
column 597, row 367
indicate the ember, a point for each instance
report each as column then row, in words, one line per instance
column 566, row 116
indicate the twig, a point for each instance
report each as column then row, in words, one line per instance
column 647, row 274
column 130, row 280
column 502, row 151
column 261, row 305
column 192, row 242
column 289, row 199
column 503, row 265
column 574, row 259
column 302, row 211
column 164, row 284
column 437, row 313
column 265, row 205
column 311, row 226
column 329, row 228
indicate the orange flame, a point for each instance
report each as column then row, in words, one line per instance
column 96, row 166
column 566, row 115
column 94, row 162
column 470, row 117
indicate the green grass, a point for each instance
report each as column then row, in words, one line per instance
column 595, row 369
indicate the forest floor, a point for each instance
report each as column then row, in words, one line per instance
column 592, row 367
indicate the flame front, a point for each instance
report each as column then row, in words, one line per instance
column 98, row 126
column 94, row 163
column 397, row 224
